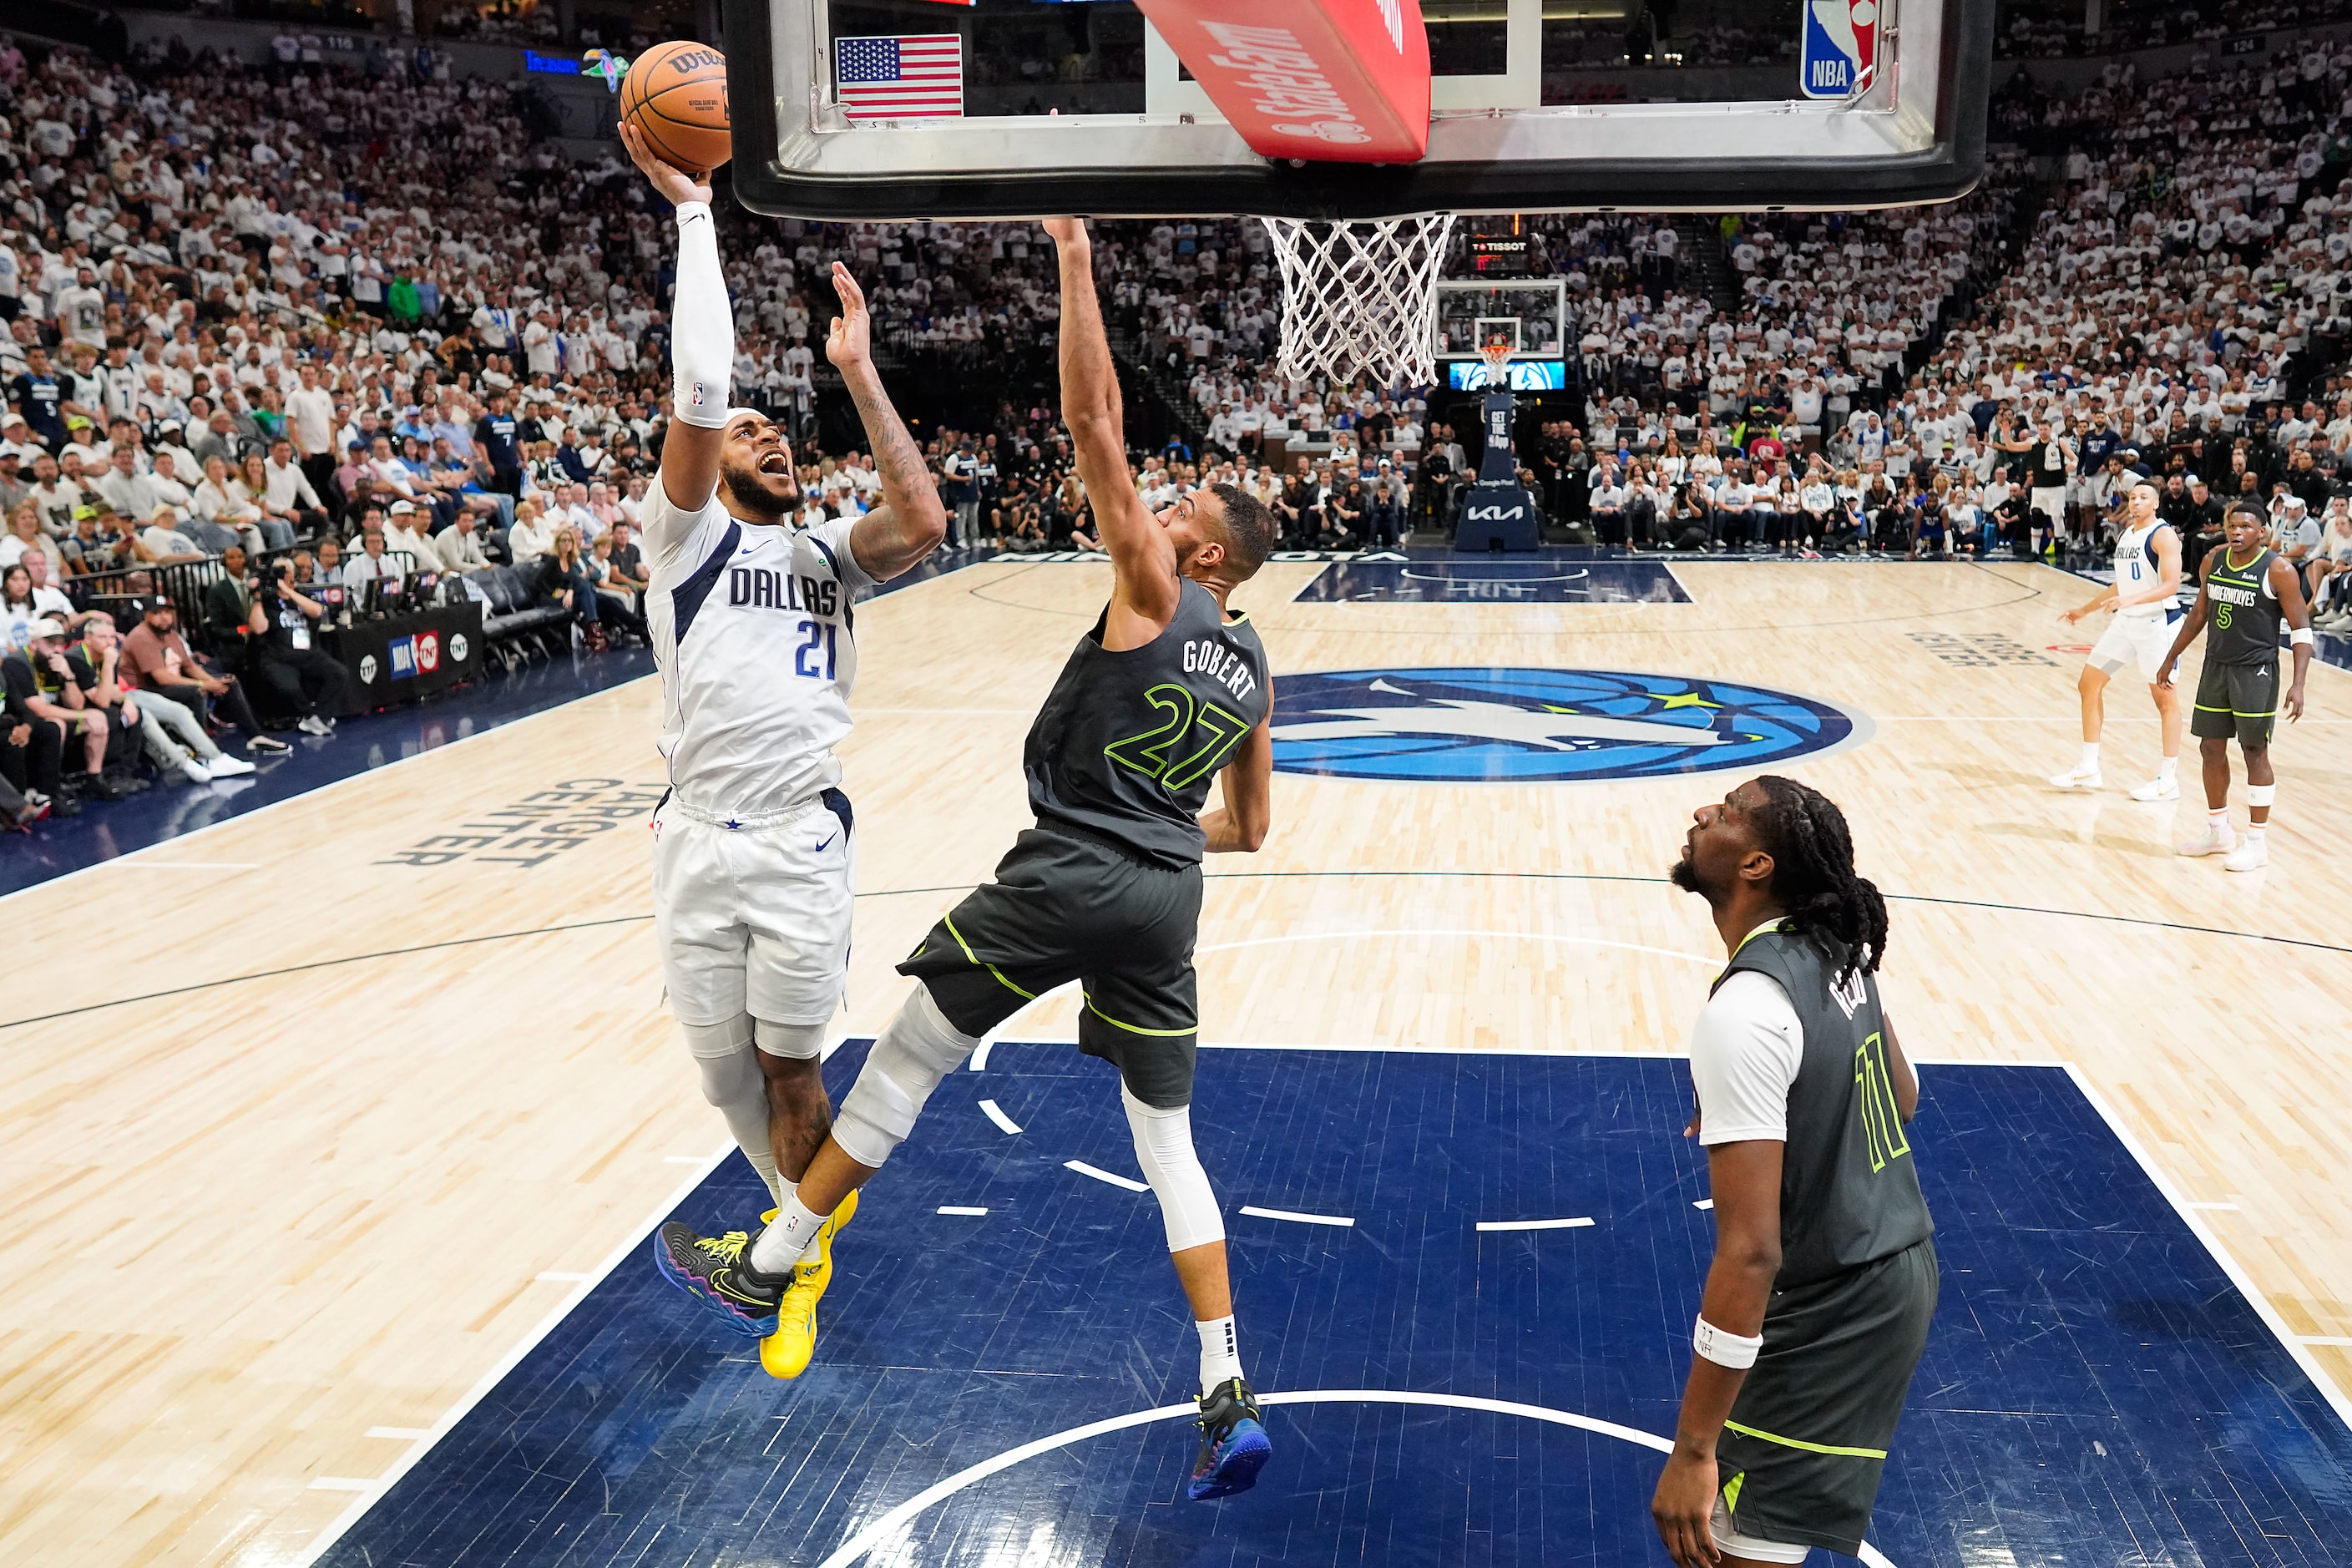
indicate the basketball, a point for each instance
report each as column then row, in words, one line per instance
column 676, row 94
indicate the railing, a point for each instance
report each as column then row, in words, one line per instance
column 184, row 583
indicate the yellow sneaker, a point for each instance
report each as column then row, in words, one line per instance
column 785, row 1353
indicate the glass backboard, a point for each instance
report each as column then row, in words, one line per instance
column 1061, row 108
column 1530, row 314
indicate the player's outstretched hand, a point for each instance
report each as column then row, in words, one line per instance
column 1066, row 230
column 2293, row 703
column 677, row 186
column 1681, row 1507
column 851, row 339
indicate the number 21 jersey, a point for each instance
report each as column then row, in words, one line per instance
column 751, row 625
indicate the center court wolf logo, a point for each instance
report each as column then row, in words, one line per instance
column 1534, row 726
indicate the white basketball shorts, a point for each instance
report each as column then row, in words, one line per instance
column 2143, row 641
column 754, row 918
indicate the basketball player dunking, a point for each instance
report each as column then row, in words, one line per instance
column 1167, row 694
column 1824, row 1281
column 2248, row 589
column 751, row 622
column 2143, row 595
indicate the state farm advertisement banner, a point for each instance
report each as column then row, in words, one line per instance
column 1342, row 81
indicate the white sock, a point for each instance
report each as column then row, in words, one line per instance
column 775, row 1250
column 2218, row 820
column 1221, row 1355
column 2167, row 769
column 2255, row 830
column 2090, row 756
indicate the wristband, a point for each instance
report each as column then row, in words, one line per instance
column 1725, row 1348
column 2299, row 636
column 688, row 211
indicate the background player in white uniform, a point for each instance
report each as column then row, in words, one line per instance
column 2144, row 597
column 751, row 621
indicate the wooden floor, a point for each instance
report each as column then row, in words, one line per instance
column 254, row 1227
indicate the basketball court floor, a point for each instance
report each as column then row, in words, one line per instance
column 330, row 1135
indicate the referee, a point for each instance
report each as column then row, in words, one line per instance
column 1823, row 1281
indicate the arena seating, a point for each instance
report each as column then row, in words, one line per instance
column 356, row 261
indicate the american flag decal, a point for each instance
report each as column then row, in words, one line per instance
column 913, row 77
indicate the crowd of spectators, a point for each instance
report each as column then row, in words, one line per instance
column 2055, row 29
column 285, row 341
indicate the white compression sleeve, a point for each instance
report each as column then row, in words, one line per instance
column 733, row 1081
column 908, row 1060
column 702, row 324
column 1163, row 1147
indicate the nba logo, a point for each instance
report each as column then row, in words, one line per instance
column 404, row 658
column 1840, row 47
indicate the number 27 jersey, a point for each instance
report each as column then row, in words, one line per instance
column 752, row 630
column 1128, row 743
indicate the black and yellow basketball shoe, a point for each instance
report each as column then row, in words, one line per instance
column 715, row 1271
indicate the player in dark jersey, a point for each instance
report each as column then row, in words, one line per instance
column 1823, row 1282
column 2247, row 591
column 1167, row 694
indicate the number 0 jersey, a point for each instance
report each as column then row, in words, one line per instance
column 751, row 626
column 1127, row 744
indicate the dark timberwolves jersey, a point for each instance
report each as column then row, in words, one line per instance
column 1849, row 1191
column 1127, row 744
column 2246, row 611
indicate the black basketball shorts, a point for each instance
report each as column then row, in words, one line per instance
column 1067, row 908
column 2237, row 700
column 1799, row 1458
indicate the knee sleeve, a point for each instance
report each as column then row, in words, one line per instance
column 1163, row 1147
column 797, row 1042
column 733, row 1081
column 918, row 1049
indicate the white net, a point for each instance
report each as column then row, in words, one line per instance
column 1360, row 298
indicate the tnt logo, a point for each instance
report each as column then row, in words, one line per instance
column 428, row 652
column 403, row 652
column 1840, row 51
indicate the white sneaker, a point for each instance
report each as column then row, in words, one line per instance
column 2157, row 789
column 2218, row 838
column 226, row 767
column 2078, row 777
column 2251, row 855
column 310, row 724
column 196, row 771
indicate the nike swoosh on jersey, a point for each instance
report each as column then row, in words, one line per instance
column 827, row 842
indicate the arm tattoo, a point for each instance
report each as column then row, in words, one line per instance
column 896, row 457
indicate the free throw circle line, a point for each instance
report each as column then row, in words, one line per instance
column 864, row 1540
column 1450, row 577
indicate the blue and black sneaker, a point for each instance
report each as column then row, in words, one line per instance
column 1233, row 1444
column 714, row 1270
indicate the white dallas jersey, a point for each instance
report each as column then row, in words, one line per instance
column 750, row 627
column 2136, row 571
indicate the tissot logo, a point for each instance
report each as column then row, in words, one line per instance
column 1531, row 726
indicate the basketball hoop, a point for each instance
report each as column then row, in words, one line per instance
column 1359, row 299
column 1497, row 356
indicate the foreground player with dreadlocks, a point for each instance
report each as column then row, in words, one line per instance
column 1824, row 1281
